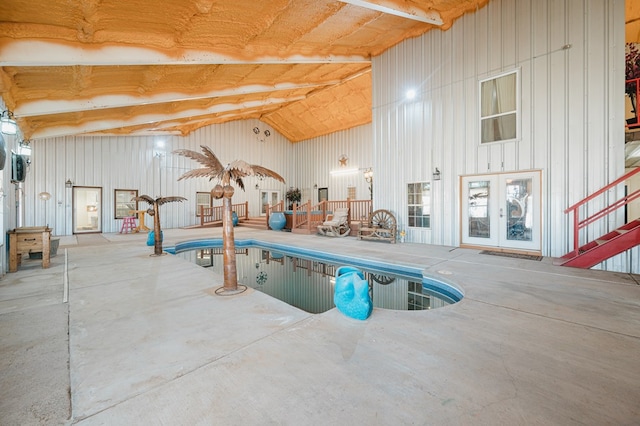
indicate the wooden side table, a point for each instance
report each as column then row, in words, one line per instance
column 141, row 226
column 26, row 239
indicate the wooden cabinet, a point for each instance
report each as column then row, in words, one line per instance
column 29, row 239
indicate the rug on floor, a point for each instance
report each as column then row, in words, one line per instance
column 514, row 255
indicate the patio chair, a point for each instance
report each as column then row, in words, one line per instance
column 336, row 225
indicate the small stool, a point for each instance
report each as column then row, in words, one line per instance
column 128, row 224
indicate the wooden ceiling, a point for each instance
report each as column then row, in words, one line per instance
column 145, row 67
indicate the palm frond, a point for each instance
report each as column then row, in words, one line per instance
column 203, row 172
column 240, row 183
column 264, row 172
column 233, row 171
column 145, row 198
column 172, row 199
column 212, row 168
column 213, row 160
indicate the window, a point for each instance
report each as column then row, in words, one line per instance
column 499, row 108
column 203, row 199
column 351, row 192
column 419, row 204
column 124, row 202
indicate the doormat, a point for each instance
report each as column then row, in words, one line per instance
column 514, row 255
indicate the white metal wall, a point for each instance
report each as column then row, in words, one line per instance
column 131, row 163
column 318, row 157
column 571, row 57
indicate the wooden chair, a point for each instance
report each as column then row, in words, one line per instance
column 336, row 225
column 381, row 225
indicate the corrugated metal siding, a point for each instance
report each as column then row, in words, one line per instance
column 572, row 125
column 129, row 163
column 318, row 157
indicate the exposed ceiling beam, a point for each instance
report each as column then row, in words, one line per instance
column 99, row 126
column 392, row 8
column 43, row 53
column 46, row 106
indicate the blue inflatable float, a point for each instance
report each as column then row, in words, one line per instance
column 351, row 293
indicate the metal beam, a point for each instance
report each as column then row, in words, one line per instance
column 149, row 119
column 30, row 53
column 392, row 8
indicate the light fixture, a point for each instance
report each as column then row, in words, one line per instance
column 436, row 174
column 257, row 186
column 411, row 94
column 44, row 196
column 8, row 124
column 341, row 172
column 24, row 147
column 68, row 183
column 315, row 186
column 368, row 177
column 261, row 136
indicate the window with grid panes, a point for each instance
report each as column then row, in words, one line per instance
column 419, row 205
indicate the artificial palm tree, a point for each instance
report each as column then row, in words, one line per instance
column 232, row 172
column 155, row 212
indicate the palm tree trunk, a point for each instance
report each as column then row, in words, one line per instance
column 229, row 247
column 157, row 232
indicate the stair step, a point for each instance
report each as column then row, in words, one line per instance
column 604, row 247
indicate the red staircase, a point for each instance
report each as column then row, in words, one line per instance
column 610, row 244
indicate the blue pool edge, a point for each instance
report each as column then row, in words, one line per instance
column 444, row 288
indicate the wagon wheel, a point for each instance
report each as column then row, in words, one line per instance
column 382, row 279
column 383, row 219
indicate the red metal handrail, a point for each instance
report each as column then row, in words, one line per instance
column 579, row 224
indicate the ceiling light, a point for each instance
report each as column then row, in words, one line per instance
column 411, row 94
column 8, row 124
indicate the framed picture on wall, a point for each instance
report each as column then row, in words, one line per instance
column 124, row 202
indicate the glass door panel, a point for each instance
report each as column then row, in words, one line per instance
column 501, row 210
column 268, row 197
column 479, row 205
column 87, row 209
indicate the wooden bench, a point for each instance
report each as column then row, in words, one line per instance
column 381, row 225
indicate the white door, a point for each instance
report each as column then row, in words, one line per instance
column 502, row 210
column 268, row 197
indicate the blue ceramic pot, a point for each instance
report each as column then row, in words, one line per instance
column 277, row 221
column 151, row 238
column 234, row 218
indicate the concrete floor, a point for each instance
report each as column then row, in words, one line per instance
column 143, row 340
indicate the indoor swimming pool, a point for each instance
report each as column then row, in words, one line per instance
column 304, row 278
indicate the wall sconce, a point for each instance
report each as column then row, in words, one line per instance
column 68, row 183
column 257, row 186
column 8, row 124
column 24, row 147
column 315, row 186
column 436, row 174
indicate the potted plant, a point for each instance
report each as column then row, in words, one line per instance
column 293, row 196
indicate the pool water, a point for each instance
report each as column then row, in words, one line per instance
column 307, row 282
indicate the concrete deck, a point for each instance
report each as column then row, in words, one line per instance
column 143, row 340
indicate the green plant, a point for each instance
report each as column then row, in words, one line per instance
column 294, row 195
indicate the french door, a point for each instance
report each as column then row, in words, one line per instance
column 502, row 210
column 87, row 209
column 268, row 197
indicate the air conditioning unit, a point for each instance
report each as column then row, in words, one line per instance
column 18, row 168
